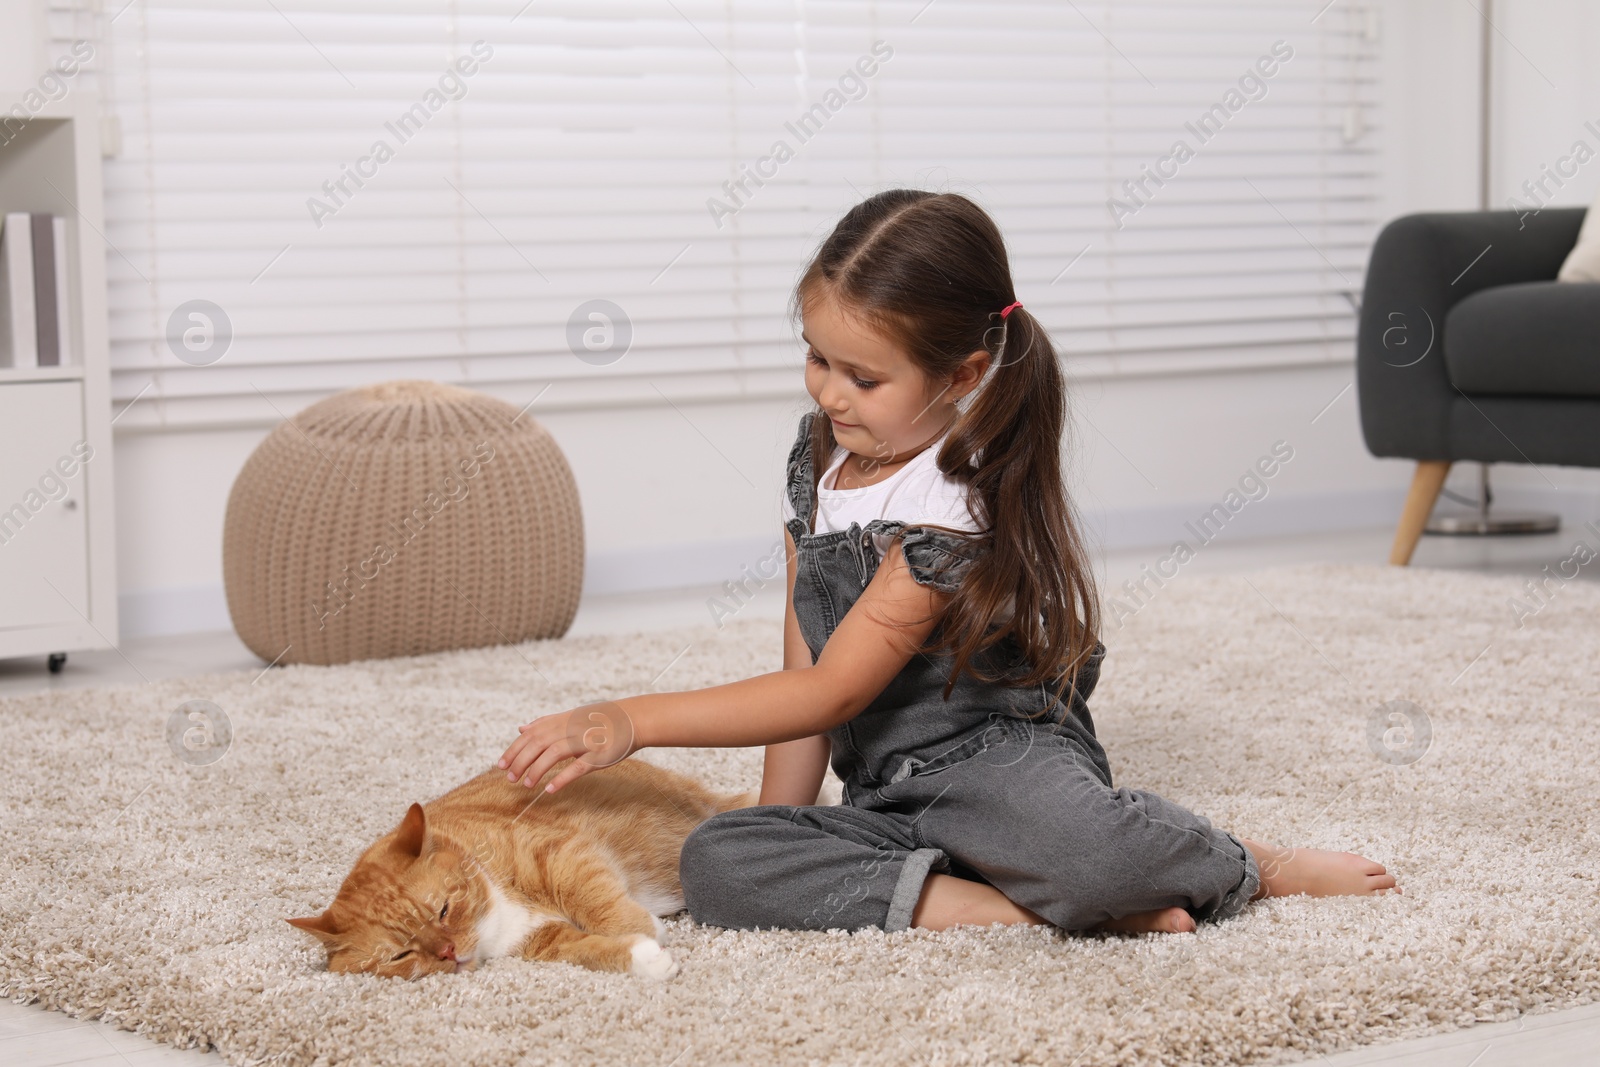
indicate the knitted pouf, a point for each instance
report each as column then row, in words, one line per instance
column 398, row 519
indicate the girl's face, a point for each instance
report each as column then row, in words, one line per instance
column 882, row 406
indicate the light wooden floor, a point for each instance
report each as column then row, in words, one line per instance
column 31, row 1037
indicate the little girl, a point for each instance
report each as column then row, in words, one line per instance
column 940, row 640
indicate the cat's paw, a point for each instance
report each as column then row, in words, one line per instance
column 652, row 961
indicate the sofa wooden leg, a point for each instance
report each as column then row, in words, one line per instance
column 1425, row 486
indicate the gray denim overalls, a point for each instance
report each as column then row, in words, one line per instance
column 970, row 786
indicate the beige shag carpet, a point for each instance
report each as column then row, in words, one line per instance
column 151, row 892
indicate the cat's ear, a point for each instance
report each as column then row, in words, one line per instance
column 412, row 835
column 320, row 925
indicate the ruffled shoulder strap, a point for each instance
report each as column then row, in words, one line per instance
column 1088, row 675
column 937, row 558
column 800, row 483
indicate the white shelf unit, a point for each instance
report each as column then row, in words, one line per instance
column 58, row 585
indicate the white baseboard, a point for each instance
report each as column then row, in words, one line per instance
column 173, row 610
column 1275, row 515
column 742, row 560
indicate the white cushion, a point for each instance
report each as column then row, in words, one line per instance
column 1583, row 262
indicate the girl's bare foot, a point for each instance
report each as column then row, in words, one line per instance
column 1160, row 921
column 1318, row 873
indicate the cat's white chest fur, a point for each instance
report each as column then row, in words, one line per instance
column 505, row 925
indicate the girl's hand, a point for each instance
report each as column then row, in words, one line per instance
column 595, row 735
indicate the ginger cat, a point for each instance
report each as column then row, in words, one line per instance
column 493, row 868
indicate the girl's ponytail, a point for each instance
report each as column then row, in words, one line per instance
column 1036, row 562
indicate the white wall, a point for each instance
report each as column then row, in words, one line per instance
column 662, row 507
column 1547, row 87
column 22, row 49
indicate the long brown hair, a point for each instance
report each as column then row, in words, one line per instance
column 930, row 271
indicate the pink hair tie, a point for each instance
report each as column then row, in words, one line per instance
column 1008, row 310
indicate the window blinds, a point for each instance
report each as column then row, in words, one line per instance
column 348, row 191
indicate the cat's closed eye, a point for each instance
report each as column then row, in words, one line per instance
column 443, row 910
column 402, row 955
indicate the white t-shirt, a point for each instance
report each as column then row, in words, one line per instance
column 917, row 493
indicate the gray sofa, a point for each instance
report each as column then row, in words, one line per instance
column 1469, row 349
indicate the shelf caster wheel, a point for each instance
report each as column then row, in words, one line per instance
column 56, row 661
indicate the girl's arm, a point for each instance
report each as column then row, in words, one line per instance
column 876, row 638
column 793, row 770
